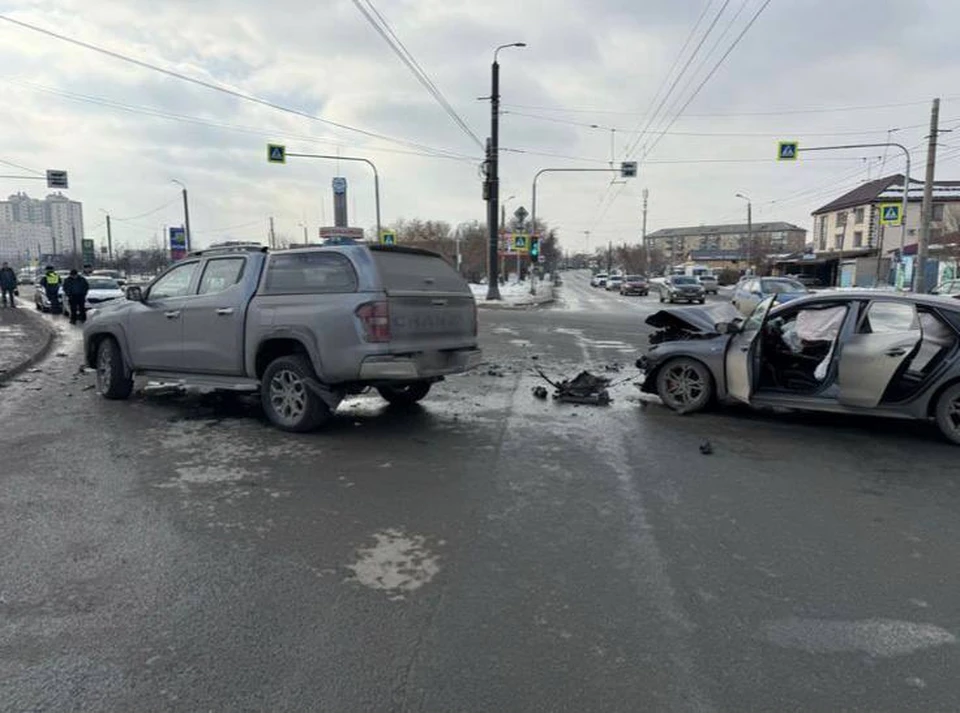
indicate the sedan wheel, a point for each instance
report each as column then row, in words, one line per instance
column 685, row 385
column 948, row 413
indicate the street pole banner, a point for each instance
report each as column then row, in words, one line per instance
column 178, row 244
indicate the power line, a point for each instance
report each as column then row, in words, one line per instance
column 149, row 212
column 183, row 118
column 383, row 28
column 209, row 85
column 22, row 168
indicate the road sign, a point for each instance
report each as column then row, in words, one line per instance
column 520, row 214
column 56, row 179
column 388, row 237
column 628, row 169
column 520, row 243
column 339, row 185
column 276, row 153
column 890, row 214
column 787, row 150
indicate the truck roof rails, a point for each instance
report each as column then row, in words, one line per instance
column 230, row 248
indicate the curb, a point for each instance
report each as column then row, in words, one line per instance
column 37, row 356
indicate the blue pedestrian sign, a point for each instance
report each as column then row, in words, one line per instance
column 388, row 237
column 890, row 214
column 276, row 153
column 520, row 243
column 787, row 150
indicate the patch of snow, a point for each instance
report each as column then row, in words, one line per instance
column 397, row 563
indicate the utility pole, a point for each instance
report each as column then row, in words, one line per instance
column 186, row 221
column 109, row 241
column 609, row 256
column 273, row 237
column 493, row 176
column 749, row 228
column 643, row 232
column 73, row 230
column 926, row 210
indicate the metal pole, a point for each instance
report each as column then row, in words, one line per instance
column 109, row 241
column 749, row 235
column 643, row 232
column 186, row 220
column 493, row 181
column 926, row 215
column 73, row 230
column 376, row 177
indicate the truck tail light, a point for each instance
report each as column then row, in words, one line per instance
column 375, row 318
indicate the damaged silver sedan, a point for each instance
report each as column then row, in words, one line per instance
column 872, row 353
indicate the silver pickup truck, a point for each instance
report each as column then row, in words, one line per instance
column 303, row 327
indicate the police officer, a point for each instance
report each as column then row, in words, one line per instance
column 51, row 284
column 75, row 288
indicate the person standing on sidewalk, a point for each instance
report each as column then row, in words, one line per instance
column 75, row 287
column 8, row 284
column 51, row 285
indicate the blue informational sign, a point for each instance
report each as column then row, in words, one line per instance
column 787, row 150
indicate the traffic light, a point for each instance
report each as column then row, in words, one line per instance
column 534, row 249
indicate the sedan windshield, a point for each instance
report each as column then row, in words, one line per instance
column 685, row 281
column 634, row 278
column 102, row 283
column 777, row 286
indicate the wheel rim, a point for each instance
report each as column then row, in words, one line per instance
column 953, row 414
column 288, row 396
column 683, row 385
column 104, row 369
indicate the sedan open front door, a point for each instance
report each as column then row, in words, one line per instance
column 742, row 357
column 887, row 336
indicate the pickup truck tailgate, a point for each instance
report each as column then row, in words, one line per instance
column 430, row 305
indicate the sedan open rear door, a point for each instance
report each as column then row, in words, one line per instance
column 888, row 335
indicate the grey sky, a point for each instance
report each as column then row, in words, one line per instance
column 601, row 61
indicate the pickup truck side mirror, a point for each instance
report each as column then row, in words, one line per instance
column 134, row 293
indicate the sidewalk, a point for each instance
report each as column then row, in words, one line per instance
column 25, row 338
column 515, row 295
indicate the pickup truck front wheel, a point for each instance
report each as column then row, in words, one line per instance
column 287, row 399
column 406, row 394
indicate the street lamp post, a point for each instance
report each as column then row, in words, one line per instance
column 306, row 238
column 186, row 215
column 493, row 174
column 749, row 228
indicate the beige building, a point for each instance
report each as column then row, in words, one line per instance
column 851, row 223
column 677, row 244
column 62, row 218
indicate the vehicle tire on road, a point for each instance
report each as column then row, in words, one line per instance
column 685, row 385
column 948, row 413
column 112, row 380
column 661, row 298
column 287, row 399
column 703, row 301
column 405, row 395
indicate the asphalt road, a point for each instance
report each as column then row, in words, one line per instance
column 485, row 552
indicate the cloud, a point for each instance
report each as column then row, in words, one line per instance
column 607, row 59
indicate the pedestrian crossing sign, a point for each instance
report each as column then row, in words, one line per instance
column 890, row 214
column 787, row 151
column 520, row 243
column 276, row 153
column 388, row 237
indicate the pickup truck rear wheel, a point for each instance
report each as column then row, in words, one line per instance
column 287, row 400
column 112, row 380
column 405, row 395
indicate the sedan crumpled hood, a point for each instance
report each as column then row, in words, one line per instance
column 703, row 320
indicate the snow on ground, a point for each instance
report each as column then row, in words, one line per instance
column 515, row 293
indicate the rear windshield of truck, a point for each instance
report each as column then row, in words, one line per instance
column 417, row 272
column 309, row 273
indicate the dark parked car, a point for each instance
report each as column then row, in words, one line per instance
column 866, row 352
column 682, row 288
column 635, row 285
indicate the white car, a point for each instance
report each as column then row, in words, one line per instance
column 102, row 289
column 614, row 282
column 599, row 280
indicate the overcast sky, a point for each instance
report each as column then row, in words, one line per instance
column 123, row 131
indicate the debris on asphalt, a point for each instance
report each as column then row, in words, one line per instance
column 584, row 388
column 611, row 367
column 540, row 392
column 89, row 387
column 706, row 448
column 494, row 371
column 34, row 370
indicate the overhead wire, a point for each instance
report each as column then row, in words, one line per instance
column 184, row 118
column 380, row 24
column 21, row 167
column 216, row 87
column 148, row 213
